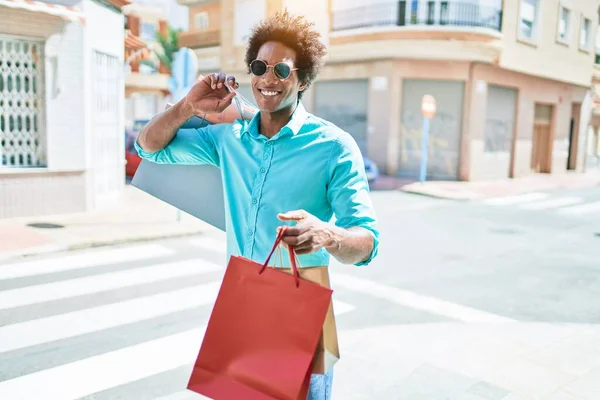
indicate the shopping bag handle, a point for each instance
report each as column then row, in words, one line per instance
column 292, row 256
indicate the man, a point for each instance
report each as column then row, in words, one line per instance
column 285, row 166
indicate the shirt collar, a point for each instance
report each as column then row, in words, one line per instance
column 292, row 127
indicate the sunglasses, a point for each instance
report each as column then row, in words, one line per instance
column 281, row 69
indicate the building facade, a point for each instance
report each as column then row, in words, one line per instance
column 510, row 78
column 61, row 102
column 146, row 87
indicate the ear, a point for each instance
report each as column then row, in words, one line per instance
column 303, row 86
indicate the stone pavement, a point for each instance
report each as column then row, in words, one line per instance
column 504, row 187
column 137, row 217
column 471, row 361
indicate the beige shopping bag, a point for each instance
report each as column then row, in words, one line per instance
column 327, row 352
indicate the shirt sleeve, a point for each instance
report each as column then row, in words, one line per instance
column 348, row 191
column 188, row 147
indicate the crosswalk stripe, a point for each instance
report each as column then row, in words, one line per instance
column 518, row 199
column 44, row 330
column 417, row 301
column 580, row 209
column 103, row 282
column 339, row 307
column 552, row 203
column 84, row 260
column 95, row 374
column 184, row 395
column 209, row 243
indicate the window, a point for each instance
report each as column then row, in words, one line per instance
column 148, row 31
column 584, row 35
column 247, row 14
column 201, row 21
column 564, row 24
column 444, row 13
column 528, row 24
column 430, row 12
column 22, row 123
column 598, row 46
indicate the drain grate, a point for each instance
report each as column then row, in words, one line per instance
column 45, row 225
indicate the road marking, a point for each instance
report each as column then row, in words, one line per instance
column 339, row 307
column 104, row 282
column 84, row 260
column 44, row 330
column 95, row 374
column 184, row 395
column 417, row 301
column 209, row 243
column 518, row 199
column 580, row 209
column 552, row 203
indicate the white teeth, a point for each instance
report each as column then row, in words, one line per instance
column 266, row 93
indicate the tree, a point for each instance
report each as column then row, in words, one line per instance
column 168, row 47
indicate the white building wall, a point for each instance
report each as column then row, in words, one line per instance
column 105, row 34
column 65, row 185
column 65, row 113
column 60, row 186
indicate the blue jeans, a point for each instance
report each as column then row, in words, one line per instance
column 320, row 386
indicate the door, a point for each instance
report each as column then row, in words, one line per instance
column 541, row 156
column 574, row 136
column 444, row 134
column 499, row 132
column 345, row 103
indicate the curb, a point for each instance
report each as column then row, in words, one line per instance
column 470, row 196
column 53, row 249
column 441, row 196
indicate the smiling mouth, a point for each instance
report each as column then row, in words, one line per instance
column 269, row 93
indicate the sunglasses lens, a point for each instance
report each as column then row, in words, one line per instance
column 258, row 67
column 282, row 70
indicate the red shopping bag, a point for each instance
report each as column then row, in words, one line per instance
column 262, row 334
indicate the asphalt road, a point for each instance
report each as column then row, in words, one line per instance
column 454, row 281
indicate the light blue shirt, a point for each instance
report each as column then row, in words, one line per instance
column 310, row 164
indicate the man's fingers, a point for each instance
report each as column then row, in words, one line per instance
column 213, row 80
column 221, row 80
column 232, row 82
column 293, row 231
column 304, row 250
column 295, row 215
column 225, row 102
column 295, row 240
column 227, row 99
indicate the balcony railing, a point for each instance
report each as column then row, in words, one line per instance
column 418, row 12
column 200, row 39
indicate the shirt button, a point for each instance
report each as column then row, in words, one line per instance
column 269, row 143
column 262, row 170
column 254, row 201
column 249, row 233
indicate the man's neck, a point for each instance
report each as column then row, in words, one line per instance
column 271, row 123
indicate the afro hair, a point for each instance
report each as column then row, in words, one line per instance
column 296, row 33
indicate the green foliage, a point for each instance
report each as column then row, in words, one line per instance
column 168, row 47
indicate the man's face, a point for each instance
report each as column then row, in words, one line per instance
column 273, row 94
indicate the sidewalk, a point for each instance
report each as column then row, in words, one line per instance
column 137, row 217
column 455, row 190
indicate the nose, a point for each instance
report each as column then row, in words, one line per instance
column 269, row 77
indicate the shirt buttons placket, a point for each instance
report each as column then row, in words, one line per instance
column 256, row 194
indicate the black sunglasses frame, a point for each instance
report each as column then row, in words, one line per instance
column 267, row 66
